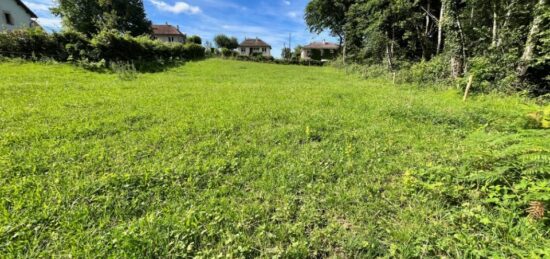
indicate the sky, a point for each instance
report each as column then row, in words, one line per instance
column 269, row 20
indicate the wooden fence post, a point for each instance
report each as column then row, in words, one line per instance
column 470, row 81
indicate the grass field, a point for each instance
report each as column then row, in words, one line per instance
column 234, row 159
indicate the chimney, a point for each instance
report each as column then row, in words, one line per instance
column 178, row 27
column 166, row 23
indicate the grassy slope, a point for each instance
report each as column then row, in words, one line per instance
column 222, row 157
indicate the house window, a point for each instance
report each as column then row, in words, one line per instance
column 171, row 39
column 243, row 50
column 264, row 49
column 9, row 19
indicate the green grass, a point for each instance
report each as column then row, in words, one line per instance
column 235, row 159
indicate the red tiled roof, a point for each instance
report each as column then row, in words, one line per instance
column 166, row 30
column 254, row 43
column 322, row 45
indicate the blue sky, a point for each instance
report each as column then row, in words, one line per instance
column 270, row 20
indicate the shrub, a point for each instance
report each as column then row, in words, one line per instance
column 109, row 46
column 227, row 52
column 30, row 44
column 194, row 39
column 429, row 72
column 491, row 73
column 73, row 46
column 194, row 51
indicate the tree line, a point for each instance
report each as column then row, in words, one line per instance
column 512, row 35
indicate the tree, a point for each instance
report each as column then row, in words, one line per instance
column 454, row 36
column 497, row 40
column 329, row 15
column 222, row 41
column 531, row 42
column 195, row 39
column 297, row 51
column 91, row 16
column 286, row 53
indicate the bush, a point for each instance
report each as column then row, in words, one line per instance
column 430, row 72
column 490, row 73
column 107, row 46
column 263, row 59
column 29, row 44
column 194, row 51
column 73, row 46
column 227, row 52
column 194, row 39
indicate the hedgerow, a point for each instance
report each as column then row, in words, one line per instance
column 110, row 46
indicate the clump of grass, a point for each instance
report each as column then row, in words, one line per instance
column 126, row 71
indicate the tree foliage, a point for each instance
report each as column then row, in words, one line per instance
column 223, row 41
column 512, row 34
column 195, row 39
column 91, row 16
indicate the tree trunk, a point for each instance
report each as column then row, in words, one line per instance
column 440, row 27
column 495, row 25
column 427, row 19
column 529, row 49
column 344, row 51
column 389, row 52
column 506, row 21
column 454, row 39
column 463, row 68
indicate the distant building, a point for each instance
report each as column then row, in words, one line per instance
column 168, row 33
column 252, row 47
column 320, row 51
column 16, row 15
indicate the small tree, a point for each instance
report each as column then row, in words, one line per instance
column 222, row 41
column 91, row 16
column 286, row 53
column 297, row 52
column 195, row 39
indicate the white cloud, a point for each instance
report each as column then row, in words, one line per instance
column 292, row 14
column 286, row 2
column 178, row 7
column 54, row 23
column 38, row 6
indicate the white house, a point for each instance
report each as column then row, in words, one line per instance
column 168, row 33
column 251, row 47
column 16, row 15
column 325, row 49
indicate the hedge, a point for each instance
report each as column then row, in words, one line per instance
column 263, row 59
column 107, row 45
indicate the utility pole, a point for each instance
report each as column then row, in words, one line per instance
column 290, row 45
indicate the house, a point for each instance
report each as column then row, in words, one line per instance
column 16, row 15
column 168, row 33
column 320, row 51
column 253, row 47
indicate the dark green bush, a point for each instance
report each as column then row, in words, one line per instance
column 73, row 46
column 263, row 59
column 194, row 51
column 194, row 39
column 491, row 73
column 225, row 52
column 106, row 45
column 28, row 44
